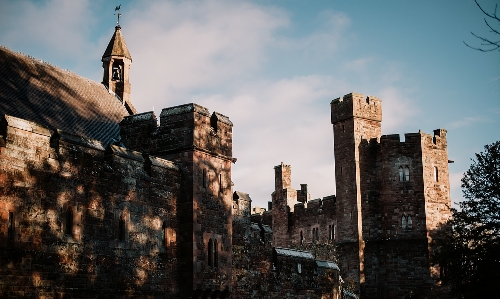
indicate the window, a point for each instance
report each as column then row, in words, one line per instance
column 216, row 254
column 121, row 228
column 343, row 129
column 436, row 174
column 410, row 222
column 403, row 222
column 164, row 234
column 315, row 233
column 404, row 173
column 68, row 230
column 299, row 268
column 210, row 252
column 331, row 232
column 407, row 174
column 10, row 229
column 220, row 182
column 301, row 238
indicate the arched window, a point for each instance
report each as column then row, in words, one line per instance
column 216, row 254
column 210, row 252
column 407, row 173
column 68, row 230
column 301, row 238
column 410, row 222
column 436, row 174
column 121, row 228
column 401, row 174
column 403, row 222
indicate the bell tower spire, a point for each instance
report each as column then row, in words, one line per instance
column 116, row 62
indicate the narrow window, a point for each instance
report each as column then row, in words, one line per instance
column 220, row 182
column 350, row 215
column 436, row 174
column 333, row 229
column 204, row 178
column 164, row 234
column 299, row 268
column 121, row 228
column 410, row 222
column 401, row 175
column 68, row 230
column 10, row 230
column 341, row 170
column 301, row 238
column 329, row 232
column 407, row 173
column 403, row 222
column 216, row 254
column 343, row 129
column 210, row 252
column 316, row 234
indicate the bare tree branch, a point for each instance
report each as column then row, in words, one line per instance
column 487, row 42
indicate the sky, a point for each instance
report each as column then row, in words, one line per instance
column 274, row 67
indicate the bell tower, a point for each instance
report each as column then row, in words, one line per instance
column 116, row 62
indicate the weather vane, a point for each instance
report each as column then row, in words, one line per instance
column 118, row 14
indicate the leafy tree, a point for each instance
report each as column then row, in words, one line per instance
column 492, row 21
column 470, row 252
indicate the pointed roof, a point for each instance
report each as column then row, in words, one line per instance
column 117, row 45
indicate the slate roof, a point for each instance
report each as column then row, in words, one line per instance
column 294, row 253
column 57, row 99
column 327, row 265
column 117, row 45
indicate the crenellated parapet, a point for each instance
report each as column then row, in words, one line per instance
column 356, row 105
column 181, row 128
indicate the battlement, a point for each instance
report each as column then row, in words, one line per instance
column 356, row 105
column 20, row 135
column 415, row 139
column 181, row 128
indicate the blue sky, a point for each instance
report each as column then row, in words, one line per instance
column 274, row 66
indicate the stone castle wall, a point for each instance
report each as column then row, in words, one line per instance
column 81, row 221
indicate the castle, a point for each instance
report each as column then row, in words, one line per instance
column 99, row 201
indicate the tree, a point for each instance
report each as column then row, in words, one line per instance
column 470, row 252
column 489, row 44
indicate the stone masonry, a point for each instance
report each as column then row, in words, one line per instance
column 392, row 199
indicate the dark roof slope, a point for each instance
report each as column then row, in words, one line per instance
column 58, row 99
column 117, row 45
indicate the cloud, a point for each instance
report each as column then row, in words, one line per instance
column 181, row 47
column 397, row 108
column 60, row 26
column 466, row 122
column 287, row 120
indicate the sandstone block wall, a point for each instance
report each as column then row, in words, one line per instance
column 88, row 222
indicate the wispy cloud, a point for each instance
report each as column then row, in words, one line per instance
column 467, row 121
column 60, row 26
